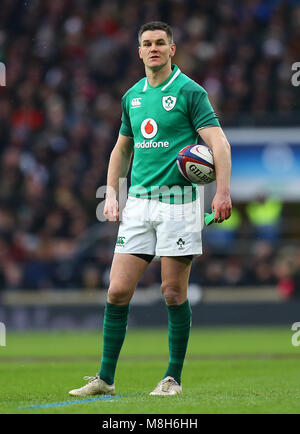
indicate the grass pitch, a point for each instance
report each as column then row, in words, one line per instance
column 227, row 370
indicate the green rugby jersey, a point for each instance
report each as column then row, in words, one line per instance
column 162, row 120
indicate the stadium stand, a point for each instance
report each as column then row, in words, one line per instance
column 68, row 65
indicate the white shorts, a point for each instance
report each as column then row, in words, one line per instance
column 151, row 227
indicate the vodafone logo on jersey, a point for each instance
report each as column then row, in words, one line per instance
column 149, row 128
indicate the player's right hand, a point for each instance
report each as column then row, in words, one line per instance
column 111, row 209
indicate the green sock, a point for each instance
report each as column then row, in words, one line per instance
column 179, row 320
column 114, row 330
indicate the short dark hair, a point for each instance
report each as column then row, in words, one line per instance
column 156, row 25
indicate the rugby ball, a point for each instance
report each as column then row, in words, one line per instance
column 196, row 164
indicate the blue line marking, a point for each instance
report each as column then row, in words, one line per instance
column 78, row 401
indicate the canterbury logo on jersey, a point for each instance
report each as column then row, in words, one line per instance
column 136, row 102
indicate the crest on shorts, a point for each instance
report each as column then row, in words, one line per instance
column 121, row 241
column 180, row 244
column 169, row 102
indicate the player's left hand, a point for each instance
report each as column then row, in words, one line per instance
column 222, row 207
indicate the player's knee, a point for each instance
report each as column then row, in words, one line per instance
column 172, row 293
column 118, row 294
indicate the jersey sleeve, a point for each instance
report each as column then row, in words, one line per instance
column 125, row 128
column 199, row 107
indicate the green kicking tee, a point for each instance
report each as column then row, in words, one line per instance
column 162, row 120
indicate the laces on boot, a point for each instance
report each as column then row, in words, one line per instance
column 90, row 379
column 166, row 384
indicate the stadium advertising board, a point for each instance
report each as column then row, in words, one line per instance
column 265, row 161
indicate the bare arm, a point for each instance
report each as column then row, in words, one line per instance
column 215, row 138
column 118, row 167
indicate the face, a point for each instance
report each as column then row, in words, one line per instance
column 155, row 49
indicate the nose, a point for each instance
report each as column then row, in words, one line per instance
column 153, row 47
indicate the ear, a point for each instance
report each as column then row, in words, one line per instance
column 173, row 50
column 140, row 55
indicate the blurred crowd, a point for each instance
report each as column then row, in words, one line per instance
column 68, row 63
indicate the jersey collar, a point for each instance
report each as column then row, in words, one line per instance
column 176, row 71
